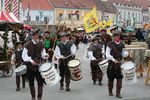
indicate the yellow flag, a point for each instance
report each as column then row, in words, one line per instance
column 105, row 24
column 109, row 23
column 91, row 21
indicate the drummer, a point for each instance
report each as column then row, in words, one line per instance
column 33, row 53
column 95, row 53
column 65, row 51
column 17, row 59
column 114, row 55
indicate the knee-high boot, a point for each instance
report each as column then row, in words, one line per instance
column 23, row 81
column 110, row 88
column 32, row 91
column 40, row 92
column 100, row 77
column 118, row 90
column 17, row 83
column 67, row 82
column 94, row 77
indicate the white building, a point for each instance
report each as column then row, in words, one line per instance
column 37, row 12
column 128, row 14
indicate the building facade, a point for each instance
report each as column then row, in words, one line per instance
column 128, row 14
column 37, row 12
column 71, row 12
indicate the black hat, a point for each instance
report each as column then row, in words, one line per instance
column 116, row 33
column 19, row 42
column 95, row 38
column 36, row 31
column 103, row 30
column 64, row 34
column 25, row 31
column 113, row 28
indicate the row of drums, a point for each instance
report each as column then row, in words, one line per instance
column 51, row 76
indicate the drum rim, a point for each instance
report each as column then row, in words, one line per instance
column 25, row 68
column 46, row 70
column 75, row 66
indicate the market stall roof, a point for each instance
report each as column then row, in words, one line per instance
column 9, row 22
column 8, row 17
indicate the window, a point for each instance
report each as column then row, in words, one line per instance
column 60, row 16
column 37, row 18
column 29, row 18
column 69, row 16
column 45, row 19
column 78, row 17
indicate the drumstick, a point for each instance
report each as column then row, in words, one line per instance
column 68, row 56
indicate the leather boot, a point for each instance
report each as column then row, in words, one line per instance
column 67, row 82
column 18, row 83
column 119, row 86
column 100, row 76
column 23, row 81
column 110, row 88
column 40, row 92
column 94, row 76
column 32, row 91
column 67, row 87
column 61, row 86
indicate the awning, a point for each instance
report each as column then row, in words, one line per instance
column 9, row 22
column 8, row 17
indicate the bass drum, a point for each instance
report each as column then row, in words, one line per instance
column 74, row 68
column 49, row 74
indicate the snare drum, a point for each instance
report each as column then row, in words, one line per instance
column 74, row 69
column 21, row 70
column 49, row 74
column 103, row 65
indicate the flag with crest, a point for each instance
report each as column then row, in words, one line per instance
column 91, row 21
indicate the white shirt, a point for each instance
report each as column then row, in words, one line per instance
column 27, row 58
column 90, row 54
column 57, row 52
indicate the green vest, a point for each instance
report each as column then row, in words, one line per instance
column 47, row 43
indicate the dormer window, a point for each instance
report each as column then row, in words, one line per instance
column 66, row 4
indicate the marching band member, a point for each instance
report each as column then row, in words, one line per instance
column 33, row 53
column 105, row 37
column 17, row 59
column 64, row 51
column 114, row 55
column 95, row 54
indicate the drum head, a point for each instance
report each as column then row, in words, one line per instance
column 73, row 63
column 21, row 68
column 45, row 67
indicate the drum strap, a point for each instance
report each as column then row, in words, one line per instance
column 104, row 63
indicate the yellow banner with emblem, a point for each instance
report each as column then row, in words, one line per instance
column 91, row 21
